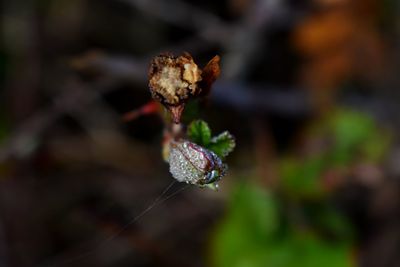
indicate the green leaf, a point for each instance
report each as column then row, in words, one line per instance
column 357, row 136
column 302, row 178
column 222, row 144
column 199, row 133
column 253, row 234
column 315, row 252
column 241, row 238
column 350, row 128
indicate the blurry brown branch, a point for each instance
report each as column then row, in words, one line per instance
column 85, row 105
column 184, row 15
column 124, row 67
column 261, row 99
column 246, row 41
column 241, row 41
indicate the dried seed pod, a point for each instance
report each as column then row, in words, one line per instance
column 173, row 80
column 194, row 164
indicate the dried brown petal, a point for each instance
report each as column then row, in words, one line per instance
column 172, row 80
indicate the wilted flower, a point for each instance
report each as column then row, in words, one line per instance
column 174, row 80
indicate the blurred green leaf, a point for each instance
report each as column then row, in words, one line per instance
column 353, row 132
column 247, row 228
column 376, row 145
column 222, row 144
column 302, row 178
column 315, row 252
column 250, row 235
column 199, row 132
column 328, row 221
column 351, row 128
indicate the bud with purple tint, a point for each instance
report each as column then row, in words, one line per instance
column 193, row 164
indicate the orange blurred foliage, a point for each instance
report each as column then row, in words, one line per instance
column 340, row 42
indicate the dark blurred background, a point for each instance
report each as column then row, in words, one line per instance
column 309, row 89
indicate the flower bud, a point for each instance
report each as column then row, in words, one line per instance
column 194, row 164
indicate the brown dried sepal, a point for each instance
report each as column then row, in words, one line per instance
column 210, row 74
column 174, row 80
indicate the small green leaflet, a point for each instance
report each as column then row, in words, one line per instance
column 222, row 144
column 199, row 132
